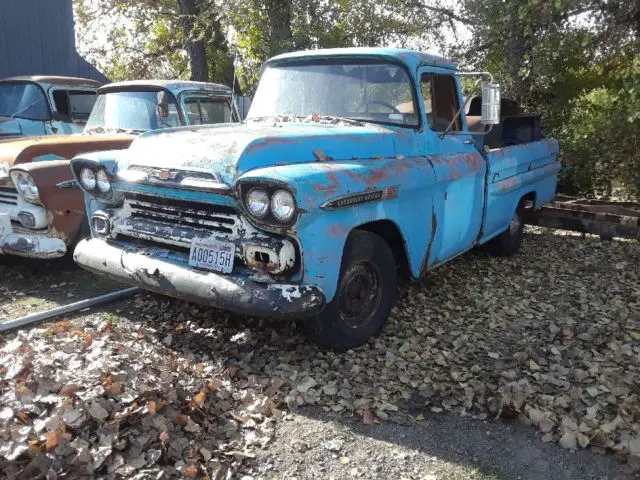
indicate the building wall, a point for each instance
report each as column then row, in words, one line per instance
column 37, row 37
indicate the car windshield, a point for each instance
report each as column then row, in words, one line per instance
column 374, row 92
column 23, row 100
column 131, row 110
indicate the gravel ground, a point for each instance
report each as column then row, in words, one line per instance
column 313, row 444
column 549, row 338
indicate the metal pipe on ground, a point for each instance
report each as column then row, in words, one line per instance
column 36, row 318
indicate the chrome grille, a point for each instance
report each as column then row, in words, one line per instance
column 175, row 221
column 8, row 196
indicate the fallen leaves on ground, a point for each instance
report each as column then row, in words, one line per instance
column 548, row 338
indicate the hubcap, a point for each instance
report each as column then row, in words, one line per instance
column 360, row 294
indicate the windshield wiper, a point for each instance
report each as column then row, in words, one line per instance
column 314, row 118
column 113, row 130
column 20, row 112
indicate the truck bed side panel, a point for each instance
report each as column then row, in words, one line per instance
column 515, row 172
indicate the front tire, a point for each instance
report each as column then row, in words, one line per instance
column 365, row 295
column 508, row 243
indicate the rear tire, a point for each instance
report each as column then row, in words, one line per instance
column 508, row 243
column 365, row 295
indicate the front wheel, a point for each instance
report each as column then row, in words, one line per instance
column 508, row 243
column 366, row 292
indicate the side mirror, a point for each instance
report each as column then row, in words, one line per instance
column 162, row 107
column 490, row 114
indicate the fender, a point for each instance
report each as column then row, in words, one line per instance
column 58, row 147
column 65, row 206
column 335, row 197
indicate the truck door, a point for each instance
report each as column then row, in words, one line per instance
column 459, row 168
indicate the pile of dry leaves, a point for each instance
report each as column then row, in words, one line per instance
column 550, row 337
column 114, row 399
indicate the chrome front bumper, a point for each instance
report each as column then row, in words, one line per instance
column 23, row 242
column 166, row 272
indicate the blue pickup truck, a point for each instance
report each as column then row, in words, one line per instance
column 351, row 165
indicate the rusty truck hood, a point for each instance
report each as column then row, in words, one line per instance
column 231, row 150
column 56, row 147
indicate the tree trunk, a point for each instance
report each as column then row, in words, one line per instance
column 190, row 11
column 281, row 37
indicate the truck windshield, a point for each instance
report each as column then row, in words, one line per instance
column 23, row 100
column 374, row 92
column 131, row 110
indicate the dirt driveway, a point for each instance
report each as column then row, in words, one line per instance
column 491, row 368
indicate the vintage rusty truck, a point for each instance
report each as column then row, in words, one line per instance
column 352, row 164
column 42, row 211
column 45, row 105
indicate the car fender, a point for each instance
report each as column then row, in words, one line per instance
column 335, row 197
column 60, row 196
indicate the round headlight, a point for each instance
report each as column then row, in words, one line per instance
column 31, row 193
column 258, row 202
column 283, row 206
column 103, row 181
column 22, row 183
column 88, row 178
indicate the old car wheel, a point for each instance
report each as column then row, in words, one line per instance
column 366, row 292
column 508, row 243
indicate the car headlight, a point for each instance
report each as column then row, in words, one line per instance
column 88, row 178
column 283, row 205
column 26, row 185
column 102, row 180
column 258, row 202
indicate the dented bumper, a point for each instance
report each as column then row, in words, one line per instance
column 23, row 242
column 168, row 273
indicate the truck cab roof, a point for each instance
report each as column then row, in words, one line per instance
column 53, row 80
column 411, row 58
column 174, row 86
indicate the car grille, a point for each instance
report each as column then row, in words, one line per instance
column 8, row 196
column 176, row 221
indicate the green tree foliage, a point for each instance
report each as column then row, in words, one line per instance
column 574, row 61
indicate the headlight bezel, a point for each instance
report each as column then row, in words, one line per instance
column 108, row 196
column 268, row 220
column 25, row 185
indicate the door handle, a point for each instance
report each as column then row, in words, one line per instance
column 469, row 142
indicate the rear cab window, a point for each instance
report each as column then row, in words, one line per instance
column 207, row 110
column 73, row 105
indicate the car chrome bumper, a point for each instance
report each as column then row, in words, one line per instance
column 28, row 243
column 163, row 272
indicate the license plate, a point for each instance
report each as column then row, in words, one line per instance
column 212, row 255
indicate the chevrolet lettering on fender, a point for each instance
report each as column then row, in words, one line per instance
column 352, row 164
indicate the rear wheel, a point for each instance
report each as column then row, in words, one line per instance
column 508, row 242
column 366, row 292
